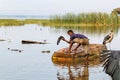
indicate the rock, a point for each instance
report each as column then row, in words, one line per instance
column 93, row 50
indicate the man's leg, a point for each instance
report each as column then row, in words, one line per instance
column 77, row 47
column 80, row 42
column 85, row 47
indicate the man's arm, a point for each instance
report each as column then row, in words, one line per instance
column 70, row 46
column 69, row 42
column 66, row 40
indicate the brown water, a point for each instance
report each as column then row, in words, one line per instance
column 32, row 64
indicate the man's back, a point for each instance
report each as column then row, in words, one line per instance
column 77, row 36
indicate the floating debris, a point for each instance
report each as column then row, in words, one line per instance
column 15, row 50
column 40, row 29
column 2, row 40
column 32, row 42
column 45, row 41
column 45, row 51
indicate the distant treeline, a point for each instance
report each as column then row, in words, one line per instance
column 86, row 18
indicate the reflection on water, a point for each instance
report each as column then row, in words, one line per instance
column 92, row 30
column 75, row 72
column 77, row 69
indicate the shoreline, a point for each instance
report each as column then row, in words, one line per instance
column 46, row 22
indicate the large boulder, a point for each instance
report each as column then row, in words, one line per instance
column 93, row 51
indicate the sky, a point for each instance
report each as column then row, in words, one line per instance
column 51, row 7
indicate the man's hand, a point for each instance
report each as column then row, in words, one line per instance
column 63, row 39
column 68, row 51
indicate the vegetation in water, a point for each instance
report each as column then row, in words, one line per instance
column 70, row 19
column 17, row 22
column 85, row 19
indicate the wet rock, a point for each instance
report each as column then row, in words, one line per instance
column 93, row 50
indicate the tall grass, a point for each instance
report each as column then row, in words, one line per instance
column 86, row 18
column 70, row 19
column 11, row 22
column 17, row 22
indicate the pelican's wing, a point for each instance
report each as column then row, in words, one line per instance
column 111, row 59
column 106, row 38
column 59, row 39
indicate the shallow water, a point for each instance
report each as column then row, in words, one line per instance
column 32, row 64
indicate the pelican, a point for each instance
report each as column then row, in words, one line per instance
column 111, row 59
column 108, row 38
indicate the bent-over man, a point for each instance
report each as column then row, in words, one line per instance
column 77, row 38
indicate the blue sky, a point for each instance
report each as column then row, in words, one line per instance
column 51, row 7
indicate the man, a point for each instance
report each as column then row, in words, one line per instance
column 77, row 38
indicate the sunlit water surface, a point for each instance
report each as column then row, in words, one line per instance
column 32, row 64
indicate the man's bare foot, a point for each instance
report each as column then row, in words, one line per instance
column 75, row 49
column 68, row 52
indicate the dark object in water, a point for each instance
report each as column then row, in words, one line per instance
column 32, row 42
column 15, row 50
column 111, row 59
column 59, row 39
column 45, row 51
column 2, row 40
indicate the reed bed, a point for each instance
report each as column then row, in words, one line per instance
column 11, row 22
column 17, row 22
column 69, row 20
column 97, row 19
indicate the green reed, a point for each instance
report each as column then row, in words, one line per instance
column 18, row 22
column 70, row 19
column 86, row 18
column 11, row 22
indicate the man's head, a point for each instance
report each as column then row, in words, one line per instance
column 70, row 32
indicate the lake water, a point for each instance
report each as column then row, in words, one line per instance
column 32, row 64
column 24, row 17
